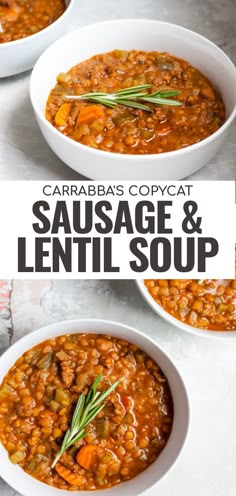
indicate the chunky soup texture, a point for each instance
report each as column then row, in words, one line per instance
column 209, row 304
column 38, row 398
column 133, row 131
column 22, row 18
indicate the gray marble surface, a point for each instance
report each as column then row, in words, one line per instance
column 24, row 154
column 208, row 366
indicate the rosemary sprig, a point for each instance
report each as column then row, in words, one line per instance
column 86, row 410
column 130, row 97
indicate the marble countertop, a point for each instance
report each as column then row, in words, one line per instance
column 208, row 366
column 24, row 154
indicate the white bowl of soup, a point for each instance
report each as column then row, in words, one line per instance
column 203, row 308
column 28, row 28
column 141, row 430
column 165, row 142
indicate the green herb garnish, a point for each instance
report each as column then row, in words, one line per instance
column 131, row 97
column 87, row 408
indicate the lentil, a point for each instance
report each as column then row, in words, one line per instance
column 209, row 304
column 32, row 426
column 28, row 17
column 128, row 130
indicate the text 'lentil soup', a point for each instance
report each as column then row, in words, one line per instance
column 208, row 304
column 22, row 18
column 128, row 130
column 38, row 398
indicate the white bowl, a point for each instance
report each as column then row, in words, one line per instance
column 143, row 35
column 177, row 323
column 27, row 485
column 20, row 55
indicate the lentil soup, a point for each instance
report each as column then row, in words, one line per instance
column 38, row 397
column 22, row 18
column 134, row 131
column 208, row 304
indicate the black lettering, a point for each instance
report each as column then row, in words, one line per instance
column 134, row 248
column 123, row 218
column 61, row 218
column 99, row 210
column 22, row 267
column 204, row 253
column 40, row 254
column 61, row 255
column 178, row 255
column 108, row 267
column 37, row 206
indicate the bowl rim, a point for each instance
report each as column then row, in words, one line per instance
column 119, row 327
column 132, row 157
column 223, row 335
column 38, row 33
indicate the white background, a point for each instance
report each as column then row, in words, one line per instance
column 208, row 464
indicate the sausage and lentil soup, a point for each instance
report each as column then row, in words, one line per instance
column 38, row 397
column 134, row 131
column 209, row 304
column 22, row 18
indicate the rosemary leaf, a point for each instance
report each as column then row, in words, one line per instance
column 133, row 89
column 166, row 93
column 133, row 104
column 87, row 408
column 130, row 97
column 162, row 101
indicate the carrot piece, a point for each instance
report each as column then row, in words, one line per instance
column 10, row 10
column 10, row 14
column 89, row 114
column 63, row 114
column 87, row 456
column 68, row 475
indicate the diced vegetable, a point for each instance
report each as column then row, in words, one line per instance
column 32, row 355
column 87, row 456
column 97, row 126
column 128, row 418
column 122, row 119
column 146, row 134
column 164, row 65
column 45, row 361
column 17, row 457
column 121, row 54
column 6, row 390
column 62, row 115
column 34, row 463
column 89, row 114
column 62, row 355
column 62, row 397
column 68, row 475
column 64, row 78
column 102, row 427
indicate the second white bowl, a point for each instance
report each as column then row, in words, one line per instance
column 177, row 323
column 20, row 55
column 131, row 34
column 28, row 486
